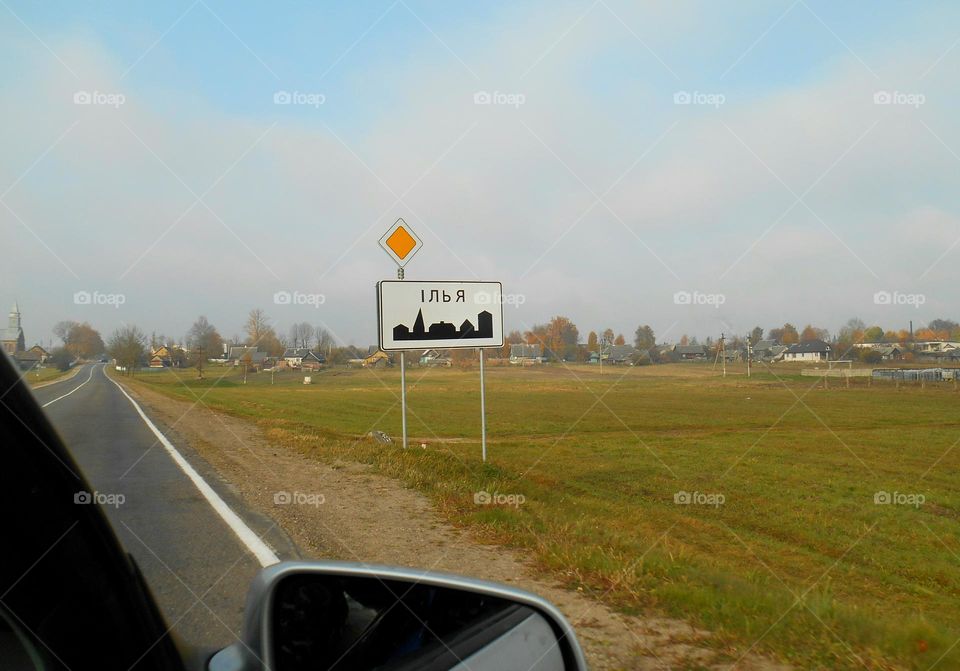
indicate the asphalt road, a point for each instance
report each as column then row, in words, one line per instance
column 198, row 567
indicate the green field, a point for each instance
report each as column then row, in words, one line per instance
column 48, row 373
column 798, row 560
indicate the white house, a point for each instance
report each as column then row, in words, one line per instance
column 813, row 350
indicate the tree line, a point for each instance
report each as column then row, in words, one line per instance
column 560, row 339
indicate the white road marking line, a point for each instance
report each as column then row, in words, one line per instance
column 72, row 390
column 260, row 550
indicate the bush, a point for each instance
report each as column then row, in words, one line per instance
column 61, row 358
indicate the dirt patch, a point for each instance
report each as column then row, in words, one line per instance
column 368, row 517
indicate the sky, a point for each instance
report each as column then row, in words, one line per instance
column 701, row 167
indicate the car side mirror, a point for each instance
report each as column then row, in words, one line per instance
column 340, row 615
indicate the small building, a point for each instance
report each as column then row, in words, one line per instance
column 29, row 360
column 302, row 358
column 435, row 357
column 160, row 357
column 616, row 355
column 166, row 356
column 247, row 354
column 523, row 354
column 41, row 353
column 812, row 350
column 690, row 352
column 765, row 350
column 890, row 352
column 376, row 359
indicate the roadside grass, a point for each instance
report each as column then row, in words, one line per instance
column 37, row 376
column 798, row 560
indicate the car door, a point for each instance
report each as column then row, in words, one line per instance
column 70, row 597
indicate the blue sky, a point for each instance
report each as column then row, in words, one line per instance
column 795, row 198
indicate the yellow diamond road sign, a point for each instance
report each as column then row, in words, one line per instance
column 401, row 242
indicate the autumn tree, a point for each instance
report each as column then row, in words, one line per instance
column 81, row 340
column 756, row 335
column 811, row 333
column 620, row 340
column 562, row 337
column 128, row 346
column 270, row 343
column 608, row 336
column 643, row 338
column 786, row 335
column 873, row 334
column 592, row 345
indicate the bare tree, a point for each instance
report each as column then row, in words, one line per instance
column 306, row 334
column 62, row 330
column 324, row 339
column 258, row 323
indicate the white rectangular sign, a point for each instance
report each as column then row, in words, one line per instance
column 439, row 315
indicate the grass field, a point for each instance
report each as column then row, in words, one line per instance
column 798, row 560
column 46, row 374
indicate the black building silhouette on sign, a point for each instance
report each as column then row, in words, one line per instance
column 445, row 330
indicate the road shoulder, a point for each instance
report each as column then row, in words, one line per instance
column 346, row 511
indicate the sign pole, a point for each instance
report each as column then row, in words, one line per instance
column 403, row 397
column 483, row 412
column 403, row 383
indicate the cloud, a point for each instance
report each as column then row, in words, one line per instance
column 497, row 191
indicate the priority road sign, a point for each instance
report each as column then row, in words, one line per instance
column 400, row 242
column 442, row 315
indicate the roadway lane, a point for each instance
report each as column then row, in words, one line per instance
column 183, row 546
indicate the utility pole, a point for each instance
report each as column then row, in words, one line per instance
column 723, row 353
column 600, row 343
column 749, row 354
column 199, row 362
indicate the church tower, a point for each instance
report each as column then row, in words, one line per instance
column 12, row 336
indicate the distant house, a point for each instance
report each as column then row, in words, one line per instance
column 887, row 352
column 813, row 350
column 765, row 350
column 302, row 358
column 39, row 351
column 522, row 354
column 250, row 355
column 435, row 357
column 617, row 355
column 936, row 346
column 29, row 360
column 34, row 357
column 160, row 357
column 376, row 359
column 166, row 356
column 691, row 352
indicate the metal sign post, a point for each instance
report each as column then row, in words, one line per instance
column 442, row 315
column 403, row 383
column 401, row 243
column 483, row 412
